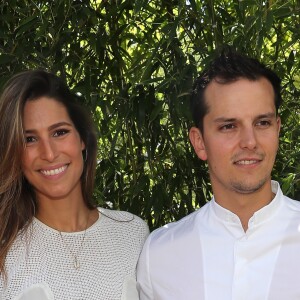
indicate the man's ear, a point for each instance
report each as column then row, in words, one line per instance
column 278, row 124
column 197, row 141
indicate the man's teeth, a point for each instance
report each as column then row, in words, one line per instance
column 246, row 162
column 53, row 172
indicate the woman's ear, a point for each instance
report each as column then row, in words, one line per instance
column 197, row 141
column 82, row 145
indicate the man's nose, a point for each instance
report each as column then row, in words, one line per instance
column 248, row 138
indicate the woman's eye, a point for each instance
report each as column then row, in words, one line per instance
column 60, row 132
column 30, row 139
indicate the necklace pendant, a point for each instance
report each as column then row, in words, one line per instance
column 76, row 263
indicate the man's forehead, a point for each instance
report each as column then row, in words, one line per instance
column 239, row 92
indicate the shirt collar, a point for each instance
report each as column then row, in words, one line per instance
column 259, row 216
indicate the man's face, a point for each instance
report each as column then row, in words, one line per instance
column 240, row 136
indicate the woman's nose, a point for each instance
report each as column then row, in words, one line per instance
column 47, row 150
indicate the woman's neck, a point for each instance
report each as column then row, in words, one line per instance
column 66, row 216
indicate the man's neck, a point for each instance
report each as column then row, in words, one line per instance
column 244, row 205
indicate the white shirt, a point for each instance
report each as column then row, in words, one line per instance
column 40, row 266
column 208, row 256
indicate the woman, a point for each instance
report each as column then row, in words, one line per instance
column 54, row 240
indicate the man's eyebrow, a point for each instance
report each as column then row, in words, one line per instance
column 269, row 115
column 53, row 126
column 224, row 120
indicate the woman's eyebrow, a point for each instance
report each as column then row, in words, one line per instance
column 51, row 127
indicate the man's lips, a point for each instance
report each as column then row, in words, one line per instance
column 247, row 161
column 55, row 171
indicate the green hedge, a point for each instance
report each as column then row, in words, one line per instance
column 133, row 62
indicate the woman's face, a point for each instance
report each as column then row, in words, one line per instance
column 52, row 159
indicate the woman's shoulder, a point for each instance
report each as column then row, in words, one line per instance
column 117, row 215
column 123, row 217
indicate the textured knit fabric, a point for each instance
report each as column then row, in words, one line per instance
column 208, row 256
column 108, row 259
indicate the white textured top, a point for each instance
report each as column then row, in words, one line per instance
column 208, row 256
column 107, row 259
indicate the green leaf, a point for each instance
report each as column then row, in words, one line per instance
column 287, row 183
column 269, row 20
column 25, row 25
column 156, row 111
column 6, row 58
column 282, row 12
column 290, row 61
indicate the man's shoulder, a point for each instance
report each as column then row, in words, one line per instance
column 292, row 204
column 183, row 227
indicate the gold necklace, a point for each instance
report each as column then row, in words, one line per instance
column 75, row 256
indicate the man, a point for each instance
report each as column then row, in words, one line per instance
column 244, row 243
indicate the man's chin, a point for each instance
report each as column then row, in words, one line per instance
column 248, row 187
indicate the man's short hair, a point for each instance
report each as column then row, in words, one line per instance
column 227, row 67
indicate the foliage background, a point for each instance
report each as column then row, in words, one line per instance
column 133, row 62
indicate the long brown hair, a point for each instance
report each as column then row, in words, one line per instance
column 17, row 198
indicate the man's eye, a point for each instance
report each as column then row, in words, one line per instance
column 227, row 127
column 60, row 132
column 264, row 123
